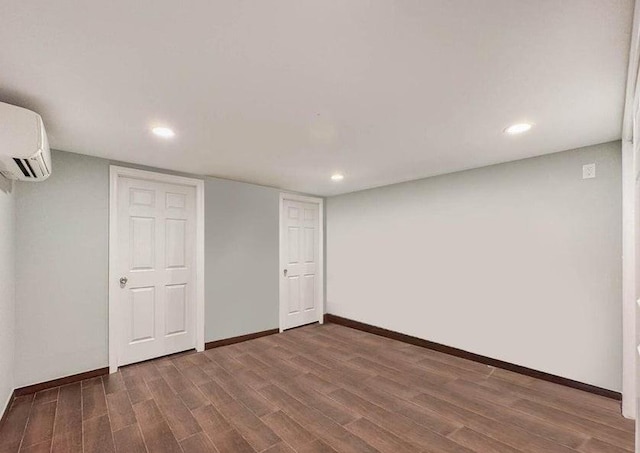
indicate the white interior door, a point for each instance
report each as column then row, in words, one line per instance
column 301, row 291
column 157, row 263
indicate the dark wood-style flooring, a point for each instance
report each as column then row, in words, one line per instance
column 321, row 388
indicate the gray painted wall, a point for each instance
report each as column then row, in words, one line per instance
column 61, row 270
column 7, row 290
column 62, row 266
column 241, row 263
column 519, row 261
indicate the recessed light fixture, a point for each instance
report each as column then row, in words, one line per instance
column 163, row 132
column 517, row 128
column 337, row 177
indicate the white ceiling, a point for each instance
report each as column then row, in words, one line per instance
column 286, row 92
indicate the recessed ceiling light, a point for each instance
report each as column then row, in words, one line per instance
column 163, row 132
column 517, row 128
column 337, row 177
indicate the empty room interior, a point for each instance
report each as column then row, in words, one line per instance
column 319, row 226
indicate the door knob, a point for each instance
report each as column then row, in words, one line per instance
column 285, row 272
column 123, row 281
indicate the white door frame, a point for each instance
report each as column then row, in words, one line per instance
column 320, row 274
column 631, row 233
column 115, row 173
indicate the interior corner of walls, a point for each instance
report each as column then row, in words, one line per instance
column 52, row 316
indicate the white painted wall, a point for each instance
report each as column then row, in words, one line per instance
column 519, row 262
column 7, row 290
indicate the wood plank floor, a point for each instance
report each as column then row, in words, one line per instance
column 320, row 388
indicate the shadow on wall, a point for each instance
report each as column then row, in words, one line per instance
column 6, row 185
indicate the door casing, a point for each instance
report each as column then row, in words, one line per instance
column 282, row 261
column 115, row 173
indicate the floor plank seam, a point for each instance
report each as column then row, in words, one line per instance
column 55, row 417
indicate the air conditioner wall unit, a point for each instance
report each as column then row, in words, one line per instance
column 24, row 148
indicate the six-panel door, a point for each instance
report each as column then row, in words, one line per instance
column 156, row 256
column 301, row 247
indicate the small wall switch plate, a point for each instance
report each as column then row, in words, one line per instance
column 588, row 171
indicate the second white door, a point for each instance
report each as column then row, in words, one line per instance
column 300, row 248
column 156, row 261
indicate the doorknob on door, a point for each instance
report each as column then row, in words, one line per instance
column 123, row 281
column 285, row 272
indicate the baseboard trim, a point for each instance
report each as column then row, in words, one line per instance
column 60, row 381
column 102, row 371
column 329, row 318
column 240, row 339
